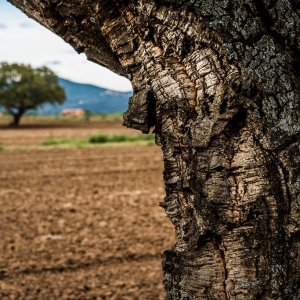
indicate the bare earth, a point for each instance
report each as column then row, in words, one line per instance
column 29, row 134
column 81, row 223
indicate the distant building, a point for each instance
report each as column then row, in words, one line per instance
column 74, row 112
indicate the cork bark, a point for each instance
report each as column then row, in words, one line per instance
column 218, row 81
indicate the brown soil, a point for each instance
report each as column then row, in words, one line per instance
column 82, row 223
column 28, row 134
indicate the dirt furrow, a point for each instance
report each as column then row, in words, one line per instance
column 85, row 228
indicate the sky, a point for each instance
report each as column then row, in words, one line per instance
column 23, row 40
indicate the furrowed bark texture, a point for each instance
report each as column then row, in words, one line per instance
column 219, row 82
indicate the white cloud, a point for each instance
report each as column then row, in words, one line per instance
column 54, row 62
column 26, row 25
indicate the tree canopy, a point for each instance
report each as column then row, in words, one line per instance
column 23, row 88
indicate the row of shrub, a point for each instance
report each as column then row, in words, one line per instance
column 102, row 139
column 119, row 138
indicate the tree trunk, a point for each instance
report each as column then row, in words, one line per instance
column 16, row 119
column 219, row 81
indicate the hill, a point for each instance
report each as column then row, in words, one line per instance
column 91, row 97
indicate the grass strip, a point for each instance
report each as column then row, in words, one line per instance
column 119, row 138
column 64, row 142
column 102, row 139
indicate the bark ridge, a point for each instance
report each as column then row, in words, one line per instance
column 219, row 82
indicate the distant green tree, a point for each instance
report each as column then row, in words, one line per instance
column 87, row 115
column 23, row 88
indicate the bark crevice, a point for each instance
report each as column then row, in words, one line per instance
column 219, row 82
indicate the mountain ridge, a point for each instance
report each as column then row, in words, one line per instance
column 89, row 97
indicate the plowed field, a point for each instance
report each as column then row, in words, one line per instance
column 82, row 223
column 30, row 134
